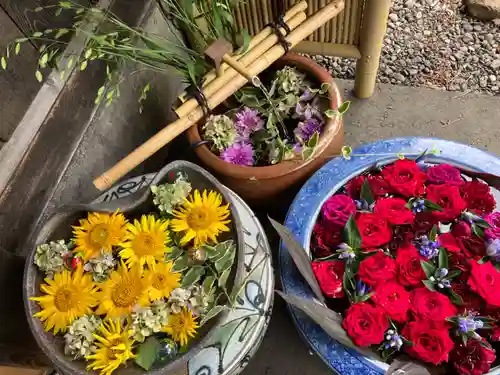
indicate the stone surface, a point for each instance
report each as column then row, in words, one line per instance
column 483, row 9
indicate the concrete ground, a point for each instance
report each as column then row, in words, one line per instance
column 393, row 111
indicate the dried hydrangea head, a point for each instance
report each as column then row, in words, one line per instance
column 199, row 300
column 290, row 80
column 220, row 130
column 101, row 267
column 179, row 299
column 79, row 341
column 167, row 196
column 49, row 257
column 149, row 320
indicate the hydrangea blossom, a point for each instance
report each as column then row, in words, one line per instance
column 101, row 266
column 149, row 320
column 248, row 121
column 167, row 196
column 220, row 130
column 239, row 154
column 49, row 258
column 79, row 341
column 289, row 80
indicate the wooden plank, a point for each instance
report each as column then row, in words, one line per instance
column 18, row 83
column 26, row 196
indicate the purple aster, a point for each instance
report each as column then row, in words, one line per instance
column 308, row 110
column 248, row 121
column 239, row 154
column 493, row 248
column 307, row 96
column 306, row 129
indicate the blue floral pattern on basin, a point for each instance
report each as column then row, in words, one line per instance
column 305, row 209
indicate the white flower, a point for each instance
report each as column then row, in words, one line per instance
column 79, row 339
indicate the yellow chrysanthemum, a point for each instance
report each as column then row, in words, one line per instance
column 146, row 241
column 162, row 280
column 124, row 289
column 68, row 297
column 114, row 347
column 99, row 231
column 202, row 217
column 181, row 326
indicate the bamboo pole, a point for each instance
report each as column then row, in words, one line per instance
column 373, row 29
column 246, row 60
column 322, row 29
column 255, row 42
column 171, row 131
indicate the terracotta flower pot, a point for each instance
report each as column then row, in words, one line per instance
column 260, row 183
column 141, row 202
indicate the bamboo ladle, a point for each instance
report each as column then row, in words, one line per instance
column 171, row 131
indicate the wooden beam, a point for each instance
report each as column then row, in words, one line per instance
column 329, row 49
column 18, row 83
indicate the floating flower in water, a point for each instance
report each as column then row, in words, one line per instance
column 50, row 257
column 181, row 326
column 122, row 292
column 220, row 130
column 67, row 297
column 101, row 267
column 146, row 241
column 248, row 121
column 306, row 129
column 114, row 347
column 149, row 320
column 418, row 205
column 99, row 232
column 239, row 154
column 202, row 217
column 167, row 196
column 427, row 248
column 79, row 341
column 162, row 280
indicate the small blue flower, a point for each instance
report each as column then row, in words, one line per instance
column 362, row 205
column 441, row 272
column 493, row 248
column 362, row 288
column 418, row 205
column 467, row 324
column 470, row 217
column 427, row 248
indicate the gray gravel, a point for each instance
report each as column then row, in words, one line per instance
column 434, row 43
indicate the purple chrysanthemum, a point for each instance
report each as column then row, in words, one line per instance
column 239, row 154
column 306, row 111
column 248, row 121
column 306, row 129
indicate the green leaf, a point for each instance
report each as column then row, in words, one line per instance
column 482, row 223
column 223, row 278
column 352, row 234
column 60, row 33
column 476, row 229
column 58, row 12
column 324, row 88
column 39, row 76
column 453, row 274
column 433, row 234
column 18, row 48
column 181, row 263
column 346, row 152
column 216, row 310
column 366, row 192
column 430, row 285
column 192, row 276
column 175, row 253
column 147, row 353
column 307, row 153
column 65, row 4
column 208, row 283
column 455, row 298
column 3, row 61
column 38, row 9
column 400, row 156
column 483, row 260
column 344, row 107
column 44, row 59
column 211, row 251
column 37, row 34
column 443, row 258
column 223, row 249
column 428, row 268
column 364, row 298
column 431, row 206
column 246, row 40
column 313, row 141
column 83, row 65
column 331, row 113
column 421, row 157
column 88, row 53
column 225, row 262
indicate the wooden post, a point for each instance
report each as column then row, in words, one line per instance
column 373, row 30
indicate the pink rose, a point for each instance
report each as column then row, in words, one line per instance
column 337, row 209
column 445, row 174
column 494, row 220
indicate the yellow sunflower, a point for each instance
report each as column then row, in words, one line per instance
column 162, row 280
column 114, row 347
column 146, row 241
column 202, row 217
column 99, row 231
column 181, row 326
column 124, row 289
column 68, row 297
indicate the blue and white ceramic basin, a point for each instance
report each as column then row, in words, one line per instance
column 304, row 212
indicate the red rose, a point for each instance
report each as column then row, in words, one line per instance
column 472, row 247
column 448, row 198
column 473, row 358
column 402, row 237
column 330, row 275
column 326, row 239
column 377, row 268
column 337, row 209
column 374, row 230
column 394, row 299
column 378, row 186
column 485, row 280
column 409, row 269
column 478, row 196
column 445, row 174
column 429, row 305
column 449, row 242
column 394, row 210
column 365, row 324
column 353, row 187
column 430, row 344
column 424, row 221
column 471, row 301
column 405, row 178
column 493, row 313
